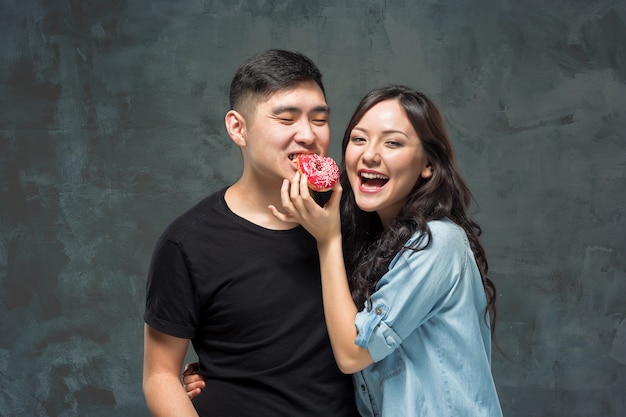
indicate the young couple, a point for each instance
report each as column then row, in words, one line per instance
column 405, row 305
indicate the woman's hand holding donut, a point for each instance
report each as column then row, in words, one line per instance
column 299, row 206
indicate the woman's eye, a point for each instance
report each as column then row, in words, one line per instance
column 357, row 139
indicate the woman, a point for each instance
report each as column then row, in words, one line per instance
column 411, row 311
column 412, row 322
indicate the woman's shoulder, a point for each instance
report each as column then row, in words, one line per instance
column 446, row 233
column 445, row 226
column 447, row 242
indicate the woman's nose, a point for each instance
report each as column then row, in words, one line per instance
column 371, row 155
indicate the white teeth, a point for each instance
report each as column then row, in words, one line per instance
column 370, row 176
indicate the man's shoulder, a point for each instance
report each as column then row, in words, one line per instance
column 191, row 219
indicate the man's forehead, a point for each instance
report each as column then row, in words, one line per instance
column 302, row 87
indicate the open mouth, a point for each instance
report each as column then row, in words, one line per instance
column 372, row 180
column 294, row 156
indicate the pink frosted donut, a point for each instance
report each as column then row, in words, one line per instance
column 321, row 171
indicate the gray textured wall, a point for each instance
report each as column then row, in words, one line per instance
column 111, row 123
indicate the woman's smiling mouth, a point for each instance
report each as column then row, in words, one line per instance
column 372, row 180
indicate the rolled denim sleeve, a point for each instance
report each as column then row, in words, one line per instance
column 413, row 290
column 374, row 334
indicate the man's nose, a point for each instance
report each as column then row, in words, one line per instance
column 305, row 133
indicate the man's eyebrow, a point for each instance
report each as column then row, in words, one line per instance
column 321, row 109
column 295, row 109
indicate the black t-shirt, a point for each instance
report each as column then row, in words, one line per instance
column 249, row 298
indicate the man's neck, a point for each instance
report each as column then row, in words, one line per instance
column 250, row 201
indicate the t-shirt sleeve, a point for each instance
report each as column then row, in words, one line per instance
column 171, row 302
column 413, row 290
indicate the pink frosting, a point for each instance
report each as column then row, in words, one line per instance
column 322, row 172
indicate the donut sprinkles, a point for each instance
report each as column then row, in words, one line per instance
column 322, row 172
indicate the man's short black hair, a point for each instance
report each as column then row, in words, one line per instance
column 270, row 71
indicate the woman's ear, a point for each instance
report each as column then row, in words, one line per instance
column 236, row 127
column 427, row 171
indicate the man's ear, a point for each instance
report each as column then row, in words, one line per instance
column 236, row 127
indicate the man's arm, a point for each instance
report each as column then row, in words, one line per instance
column 162, row 361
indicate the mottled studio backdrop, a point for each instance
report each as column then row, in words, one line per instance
column 111, row 124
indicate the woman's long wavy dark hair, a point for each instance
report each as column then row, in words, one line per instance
column 369, row 247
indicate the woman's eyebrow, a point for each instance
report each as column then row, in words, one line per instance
column 384, row 132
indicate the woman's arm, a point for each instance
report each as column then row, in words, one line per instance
column 339, row 308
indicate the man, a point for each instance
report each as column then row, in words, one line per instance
column 243, row 286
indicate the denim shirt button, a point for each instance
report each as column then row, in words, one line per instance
column 379, row 311
column 363, row 388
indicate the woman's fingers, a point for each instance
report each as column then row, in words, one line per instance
column 296, row 199
column 304, row 191
column 193, row 393
column 280, row 216
column 298, row 196
column 193, row 382
column 335, row 197
column 294, row 192
column 287, row 215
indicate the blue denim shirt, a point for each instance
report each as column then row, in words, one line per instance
column 428, row 335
